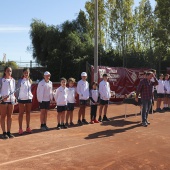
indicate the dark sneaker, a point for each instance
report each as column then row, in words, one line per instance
column 10, row 135
column 5, row 136
column 43, row 128
column 58, row 127
column 100, row 119
column 84, row 121
column 144, row 124
column 162, row 111
column 79, row 122
column 63, row 126
column 72, row 124
column 46, row 127
column 159, row 110
column 105, row 118
column 165, row 109
column 66, row 124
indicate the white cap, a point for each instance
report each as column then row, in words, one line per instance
column 47, row 73
column 83, row 74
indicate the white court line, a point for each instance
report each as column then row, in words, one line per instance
column 47, row 153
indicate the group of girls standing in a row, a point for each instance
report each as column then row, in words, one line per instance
column 10, row 93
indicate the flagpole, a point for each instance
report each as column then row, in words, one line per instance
column 96, row 43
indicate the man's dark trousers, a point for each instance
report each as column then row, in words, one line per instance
column 146, row 106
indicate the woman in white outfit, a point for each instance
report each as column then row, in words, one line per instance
column 24, row 96
column 7, row 88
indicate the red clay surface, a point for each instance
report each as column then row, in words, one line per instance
column 122, row 144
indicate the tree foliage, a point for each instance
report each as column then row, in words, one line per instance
column 128, row 36
column 11, row 64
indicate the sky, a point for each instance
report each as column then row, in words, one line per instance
column 16, row 17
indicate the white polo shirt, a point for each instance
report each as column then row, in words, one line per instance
column 104, row 90
column 44, row 91
column 71, row 95
column 83, row 90
column 160, row 87
column 61, row 95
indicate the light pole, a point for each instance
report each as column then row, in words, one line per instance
column 96, row 43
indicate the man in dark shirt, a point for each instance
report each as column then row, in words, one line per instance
column 145, row 89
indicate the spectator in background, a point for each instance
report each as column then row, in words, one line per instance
column 153, row 91
column 145, row 89
column 167, row 93
column 160, row 88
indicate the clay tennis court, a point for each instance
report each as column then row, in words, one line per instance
column 116, row 145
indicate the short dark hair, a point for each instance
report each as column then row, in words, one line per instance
column 105, row 75
column 61, row 79
column 5, row 70
column 166, row 74
column 26, row 69
column 93, row 83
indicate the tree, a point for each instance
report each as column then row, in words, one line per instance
column 90, row 8
column 121, row 27
column 144, row 28
column 128, row 36
column 162, row 31
column 11, row 64
column 63, row 49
